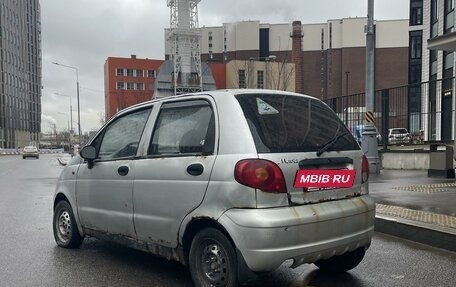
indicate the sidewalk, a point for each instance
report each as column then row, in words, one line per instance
column 416, row 207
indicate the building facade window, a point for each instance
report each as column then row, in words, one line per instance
column 139, row 73
column 140, row 86
column 433, row 62
column 434, row 18
column 120, row 72
column 129, row 72
column 260, row 79
column 449, row 16
column 415, row 74
column 130, row 86
column 416, row 12
column 447, row 97
column 330, row 35
column 241, row 79
column 416, row 44
column 448, row 64
column 211, row 56
column 151, row 73
column 432, row 131
column 120, row 85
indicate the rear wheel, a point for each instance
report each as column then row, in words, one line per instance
column 212, row 259
column 66, row 232
column 342, row 263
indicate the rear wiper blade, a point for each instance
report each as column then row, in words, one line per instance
column 330, row 143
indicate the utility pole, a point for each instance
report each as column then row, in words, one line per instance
column 369, row 142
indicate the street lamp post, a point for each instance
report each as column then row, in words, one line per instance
column 69, row 132
column 77, row 93
column 71, row 110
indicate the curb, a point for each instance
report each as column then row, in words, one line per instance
column 424, row 233
column 9, row 153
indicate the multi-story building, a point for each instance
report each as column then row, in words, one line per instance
column 432, row 42
column 20, row 73
column 328, row 58
column 324, row 60
column 128, row 81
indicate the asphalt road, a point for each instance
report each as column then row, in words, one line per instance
column 29, row 256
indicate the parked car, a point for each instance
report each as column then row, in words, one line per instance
column 399, row 136
column 358, row 130
column 30, row 151
column 230, row 183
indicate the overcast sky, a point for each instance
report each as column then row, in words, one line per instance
column 84, row 33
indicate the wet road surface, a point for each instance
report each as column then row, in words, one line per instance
column 30, row 257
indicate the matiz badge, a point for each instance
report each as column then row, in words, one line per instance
column 325, row 178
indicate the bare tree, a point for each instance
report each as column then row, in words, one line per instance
column 248, row 67
column 278, row 75
column 101, row 118
column 282, row 76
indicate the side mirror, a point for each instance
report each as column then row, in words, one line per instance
column 89, row 153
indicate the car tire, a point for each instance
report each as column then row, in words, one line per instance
column 23, row 157
column 66, row 232
column 342, row 263
column 212, row 259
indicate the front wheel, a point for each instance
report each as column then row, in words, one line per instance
column 212, row 260
column 342, row 263
column 66, row 232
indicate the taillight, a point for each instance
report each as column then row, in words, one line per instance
column 365, row 169
column 261, row 174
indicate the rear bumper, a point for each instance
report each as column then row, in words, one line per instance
column 30, row 154
column 268, row 237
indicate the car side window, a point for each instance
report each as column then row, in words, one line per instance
column 122, row 136
column 184, row 128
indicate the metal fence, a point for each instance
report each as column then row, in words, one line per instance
column 424, row 109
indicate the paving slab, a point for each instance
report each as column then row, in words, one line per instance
column 411, row 205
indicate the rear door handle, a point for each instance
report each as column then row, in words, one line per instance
column 195, row 169
column 123, row 170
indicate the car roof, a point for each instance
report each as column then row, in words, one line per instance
column 213, row 93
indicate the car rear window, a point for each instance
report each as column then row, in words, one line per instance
column 288, row 123
column 399, row 131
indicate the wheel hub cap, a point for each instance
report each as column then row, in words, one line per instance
column 64, row 226
column 215, row 265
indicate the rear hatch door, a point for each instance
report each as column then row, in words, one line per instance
column 302, row 133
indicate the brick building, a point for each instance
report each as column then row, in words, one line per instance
column 325, row 60
column 128, row 81
column 329, row 57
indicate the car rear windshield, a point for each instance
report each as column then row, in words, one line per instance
column 289, row 123
column 399, row 131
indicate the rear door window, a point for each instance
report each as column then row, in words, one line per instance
column 288, row 123
column 184, row 128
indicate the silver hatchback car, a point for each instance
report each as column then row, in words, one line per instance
column 231, row 183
